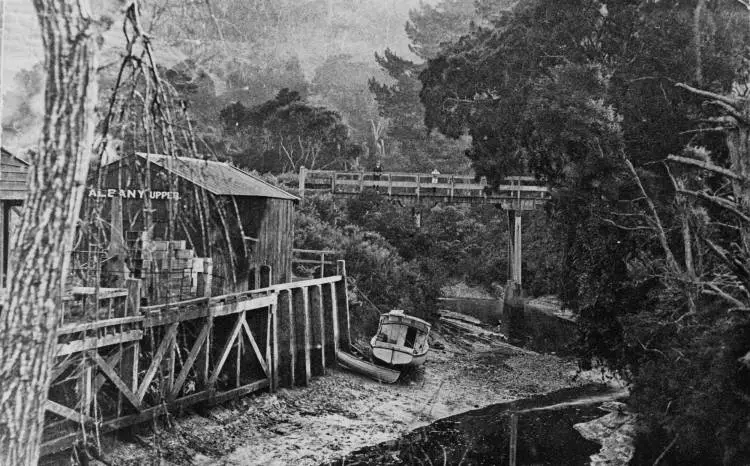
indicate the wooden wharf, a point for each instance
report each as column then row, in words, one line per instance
column 133, row 363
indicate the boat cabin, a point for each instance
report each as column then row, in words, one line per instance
column 401, row 339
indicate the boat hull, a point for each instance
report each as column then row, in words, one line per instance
column 379, row 373
column 395, row 355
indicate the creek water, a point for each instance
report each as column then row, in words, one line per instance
column 545, row 434
column 530, row 328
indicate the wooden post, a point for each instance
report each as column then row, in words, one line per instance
column 361, row 181
column 322, row 264
column 302, row 323
column 390, row 185
column 334, row 318
column 86, row 389
column 344, row 300
column 238, row 360
column 317, row 316
column 275, row 346
column 265, row 276
column 302, row 180
column 513, row 439
column 133, row 286
column 286, row 339
column 203, row 362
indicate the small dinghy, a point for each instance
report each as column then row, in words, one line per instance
column 401, row 341
column 362, row 366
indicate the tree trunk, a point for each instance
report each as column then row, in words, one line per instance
column 698, row 40
column 40, row 247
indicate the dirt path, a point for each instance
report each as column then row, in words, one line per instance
column 342, row 411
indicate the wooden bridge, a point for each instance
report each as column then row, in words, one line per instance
column 120, row 364
column 514, row 195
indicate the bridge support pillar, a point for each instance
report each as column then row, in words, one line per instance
column 514, row 246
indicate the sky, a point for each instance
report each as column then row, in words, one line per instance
column 355, row 27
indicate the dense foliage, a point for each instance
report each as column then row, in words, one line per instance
column 396, row 265
column 582, row 93
column 286, row 133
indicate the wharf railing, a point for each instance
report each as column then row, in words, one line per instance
column 314, row 262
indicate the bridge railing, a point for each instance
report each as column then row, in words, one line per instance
column 448, row 186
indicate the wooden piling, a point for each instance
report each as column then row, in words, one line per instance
column 318, row 356
column 302, row 322
column 335, row 318
column 343, row 295
column 328, row 331
column 275, row 348
column 287, row 354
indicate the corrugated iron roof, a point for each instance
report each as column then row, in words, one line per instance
column 219, row 178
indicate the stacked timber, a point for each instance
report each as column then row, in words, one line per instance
column 171, row 272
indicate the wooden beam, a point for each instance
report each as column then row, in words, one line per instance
column 78, row 327
column 67, row 413
column 192, row 356
column 226, row 350
column 256, row 349
column 166, row 344
column 112, row 375
column 86, row 344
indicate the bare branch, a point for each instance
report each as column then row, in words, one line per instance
column 623, row 227
column 729, row 109
column 659, row 228
column 735, row 103
column 706, row 166
column 721, row 202
column 716, row 291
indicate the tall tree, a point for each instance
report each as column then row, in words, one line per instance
column 42, row 241
column 412, row 146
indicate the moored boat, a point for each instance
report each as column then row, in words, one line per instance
column 402, row 340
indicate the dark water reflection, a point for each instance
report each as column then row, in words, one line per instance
column 525, row 326
column 482, row 437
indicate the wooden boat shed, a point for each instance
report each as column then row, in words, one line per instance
column 240, row 221
column 13, row 188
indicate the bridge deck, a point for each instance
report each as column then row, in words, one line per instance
column 516, row 193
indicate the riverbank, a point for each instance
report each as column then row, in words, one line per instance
column 342, row 412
